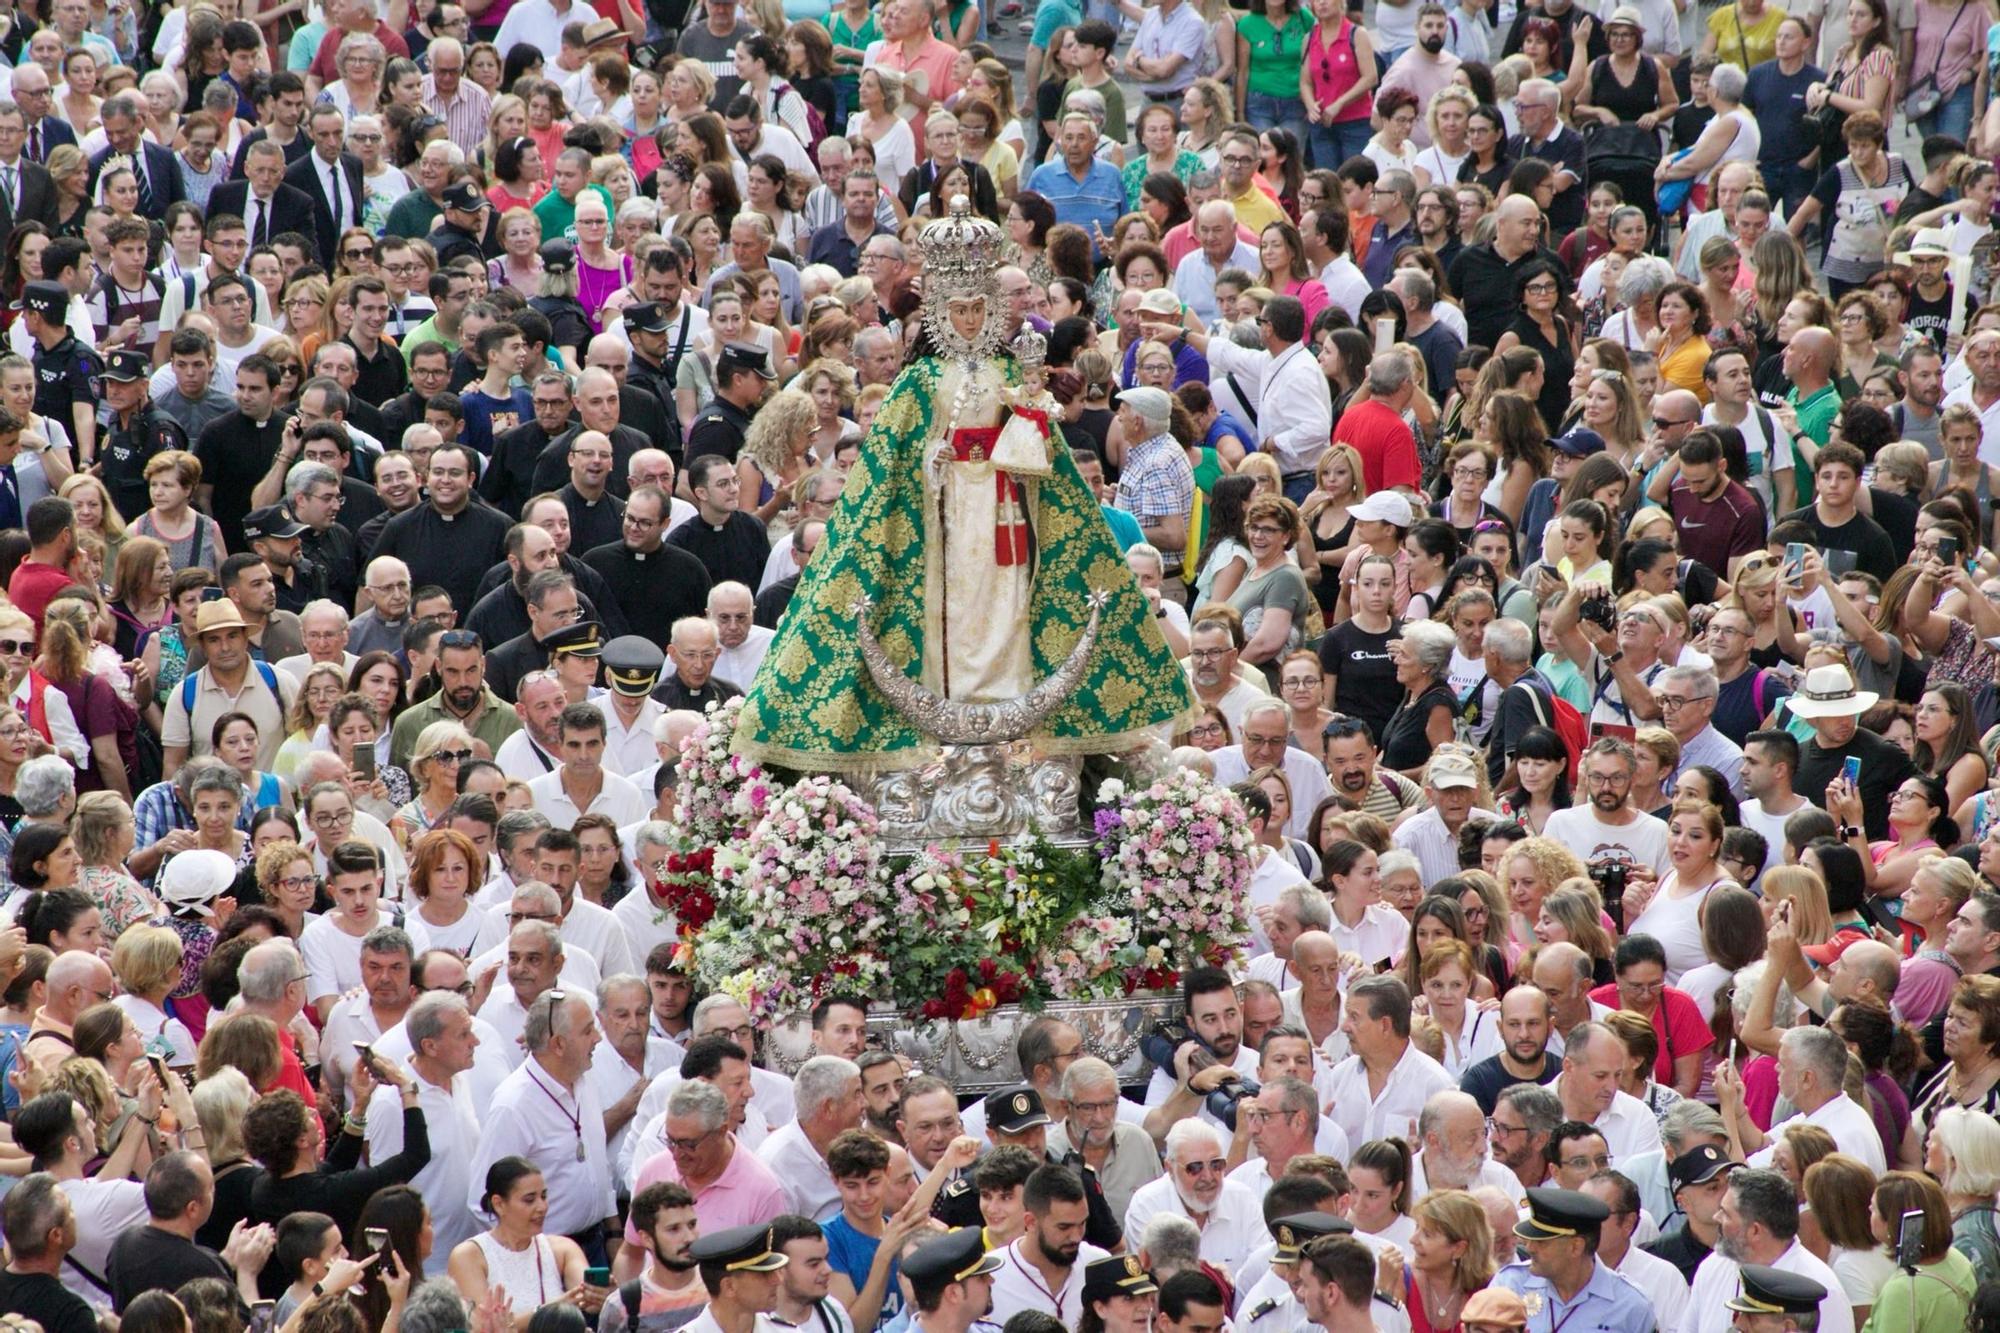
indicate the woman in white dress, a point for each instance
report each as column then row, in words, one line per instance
column 531, row 1268
column 879, row 122
column 1447, row 118
column 1390, row 148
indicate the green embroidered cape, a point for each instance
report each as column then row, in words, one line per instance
column 813, row 706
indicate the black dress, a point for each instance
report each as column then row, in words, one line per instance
column 1628, row 102
column 1492, row 178
column 1406, row 742
column 1557, row 362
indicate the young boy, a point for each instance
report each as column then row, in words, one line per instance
column 308, row 1245
column 999, row 1178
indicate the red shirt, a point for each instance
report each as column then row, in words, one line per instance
column 1713, row 531
column 34, row 586
column 291, row 1074
column 1387, row 447
column 1677, row 1022
column 325, row 60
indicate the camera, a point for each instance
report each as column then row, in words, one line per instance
column 1167, row 1036
column 1610, row 878
column 1223, row 1101
column 1599, row 611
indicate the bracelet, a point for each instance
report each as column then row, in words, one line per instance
column 356, row 1125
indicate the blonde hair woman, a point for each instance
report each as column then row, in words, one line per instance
column 147, row 962
column 1451, row 1255
column 434, row 762
column 1570, row 914
column 775, row 452
column 1656, row 754
column 1805, row 892
column 325, row 682
column 104, row 834
column 1531, row 870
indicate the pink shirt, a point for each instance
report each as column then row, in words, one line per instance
column 746, row 1194
column 1334, row 69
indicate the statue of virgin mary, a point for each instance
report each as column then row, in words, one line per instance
column 969, row 540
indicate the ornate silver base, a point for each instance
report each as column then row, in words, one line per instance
column 977, row 1054
column 980, row 793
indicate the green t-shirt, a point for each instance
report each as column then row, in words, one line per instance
column 847, row 72
column 1275, row 53
column 1051, row 15
column 558, row 214
column 1943, row 1295
column 1815, row 416
column 1114, row 105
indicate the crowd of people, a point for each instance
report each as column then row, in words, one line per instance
column 1561, row 446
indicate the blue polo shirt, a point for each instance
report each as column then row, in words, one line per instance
column 1098, row 198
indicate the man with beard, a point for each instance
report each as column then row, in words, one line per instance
column 1194, row 1187
column 1757, row 1222
column 1452, row 1129
column 1699, row 1177
column 1043, row 1269
column 1215, row 1053
column 1092, row 1132
column 536, row 748
column 882, row 1079
column 1562, row 1271
column 1609, row 829
column 673, row 994
column 1525, row 1057
column 1353, row 761
column 666, row 1294
column 1424, row 68
column 1523, row 1125
column 501, row 612
column 462, row 697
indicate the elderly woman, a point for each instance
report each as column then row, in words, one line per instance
column 193, row 540
column 1964, row 1156
column 1470, row 1033
column 105, row 833
column 147, row 962
column 1428, row 714
column 434, row 761
column 1273, row 597
column 1970, row 1076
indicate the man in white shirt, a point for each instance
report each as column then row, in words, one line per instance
column 539, row 24
column 1812, row 1065
column 743, row 643
column 536, row 749
column 827, row 1098
column 1662, row 1283
column 625, row 1063
column 60, row 1135
column 1451, row 783
column 1275, row 872
column 1453, row 1155
column 1043, row 1269
column 582, row 785
column 533, row 966
column 1588, row 1087
column 1214, row 1055
column 585, row 925
column 443, row 1046
column 1294, row 408
column 387, row 961
column 547, row 1112
column 1267, row 735
column 1609, row 828
column 1758, row 1223
column 1377, row 1024
column 1196, row 1187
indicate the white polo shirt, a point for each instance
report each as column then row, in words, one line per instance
column 1018, row 1285
column 802, row 1171
column 1392, row 1114
column 537, row 1118
column 1853, row 1131
column 1234, row 1228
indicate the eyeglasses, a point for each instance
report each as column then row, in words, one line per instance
column 1540, row 289
column 1208, row 654
column 556, row 996
column 359, row 252
column 1214, row 1166
column 299, row 882
column 1601, row 1162
column 1094, row 1108
column 1663, row 423
column 689, row 1145
column 516, row 918
column 332, row 819
column 1494, row 1127
column 462, row 988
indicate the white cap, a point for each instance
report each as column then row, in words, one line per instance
column 1155, row 405
column 1384, row 507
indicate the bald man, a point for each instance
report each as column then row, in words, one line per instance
column 599, row 402
column 1809, row 360
column 732, row 609
column 1483, row 275
column 692, row 653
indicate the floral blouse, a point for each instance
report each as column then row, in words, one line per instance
column 121, row 899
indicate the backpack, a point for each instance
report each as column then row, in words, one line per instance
column 1560, row 716
column 815, row 122
column 264, row 669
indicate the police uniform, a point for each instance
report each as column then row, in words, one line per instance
column 1773, row 1291
column 632, row 668
column 1606, row 1303
column 308, row 579
column 1269, row 1306
column 127, row 449
column 452, row 241
column 957, row 1255
column 583, row 639
column 722, row 427
column 63, row 373
column 738, row 1250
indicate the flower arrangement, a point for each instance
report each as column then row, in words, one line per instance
column 721, row 795
column 804, row 903
column 1175, row 857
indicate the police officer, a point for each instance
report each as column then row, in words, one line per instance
column 137, row 431
column 1270, row 1306
column 463, row 228
column 1772, row 1300
column 1123, row 1279
column 574, row 652
column 632, row 667
column 1562, row 1276
column 649, row 329
column 952, row 1279
column 64, row 367
column 742, row 375
column 739, row 1267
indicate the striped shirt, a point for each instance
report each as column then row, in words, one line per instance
column 1435, row 846
column 464, row 116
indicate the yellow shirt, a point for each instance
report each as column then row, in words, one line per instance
column 1753, row 45
column 1682, row 368
column 1257, row 210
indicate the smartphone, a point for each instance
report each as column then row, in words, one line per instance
column 1850, row 770
column 1910, row 1239
column 366, row 1054
column 263, row 1315
column 1947, row 551
column 377, row 1238
column 1795, row 554
column 363, row 760
column 159, row 1065
column 601, row 1277
column 1385, row 332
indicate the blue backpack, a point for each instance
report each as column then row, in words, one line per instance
column 264, row 669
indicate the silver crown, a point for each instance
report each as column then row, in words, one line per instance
column 961, row 253
column 1031, row 349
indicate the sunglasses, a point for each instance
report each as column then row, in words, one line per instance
column 452, row 756
column 11, row 647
